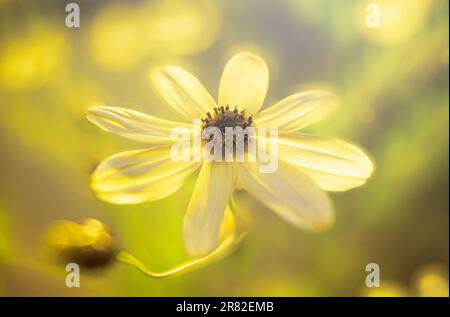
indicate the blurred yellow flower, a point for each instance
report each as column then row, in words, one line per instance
column 431, row 281
column 89, row 244
column 307, row 164
column 115, row 39
column 122, row 35
column 179, row 27
column 29, row 62
column 400, row 20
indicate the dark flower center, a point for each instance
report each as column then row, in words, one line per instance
column 224, row 117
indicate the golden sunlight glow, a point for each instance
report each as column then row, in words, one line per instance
column 400, row 20
column 387, row 289
column 179, row 27
column 28, row 62
column 122, row 35
column 113, row 119
column 431, row 281
column 115, row 39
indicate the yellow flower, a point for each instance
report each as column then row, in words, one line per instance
column 432, row 281
column 308, row 165
column 89, row 244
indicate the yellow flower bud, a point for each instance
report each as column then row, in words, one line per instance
column 89, row 244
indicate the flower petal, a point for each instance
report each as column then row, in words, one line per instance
column 134, row 125
column 335, row 165
column 290, row 193
column 138, row 176
column 298, row 111
column 205, row 213
column 183, row 92
column 244, row 82
column 228, row 226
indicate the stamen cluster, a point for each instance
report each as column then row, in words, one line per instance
column 224, row 117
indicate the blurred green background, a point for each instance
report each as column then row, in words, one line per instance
column 393, row 85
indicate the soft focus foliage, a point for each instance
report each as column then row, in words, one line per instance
column 392, row 84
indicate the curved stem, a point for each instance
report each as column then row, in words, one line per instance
column 225, row 248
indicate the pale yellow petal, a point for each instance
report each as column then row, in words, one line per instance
column 290, row 193
column 334, row 165
column 183, row 92
column 205, row 212
column 298, row 111
column 138, row 176
column 228, row 226
column 244, row 82
column 134, row 125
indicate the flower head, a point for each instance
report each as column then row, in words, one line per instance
column 308, row 165
column 89, row 244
